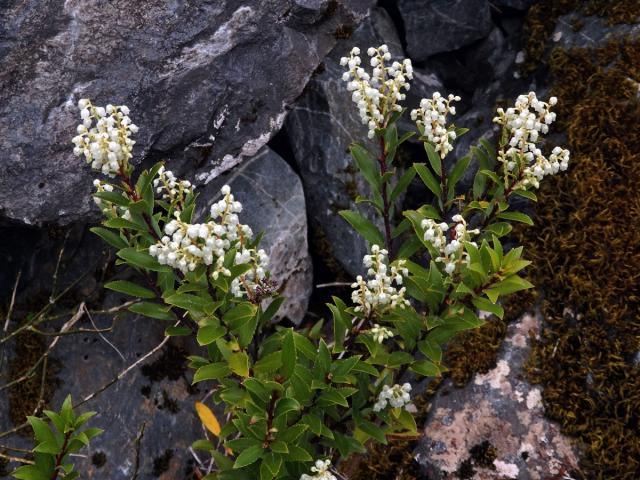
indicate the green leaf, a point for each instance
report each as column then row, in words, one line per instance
column 272, row 464
column 427, row 178
column 177, row 331
column 239, row 363
column 458, row 171
column 332, row 396
column 141, row 259
column 248, row 456
column 367, row 165
column 209, row 334
column 130, row 288
column 41, row 430
column 488, row 306
column 122, row 223
column 298, row 454
column 511, row 284
column 189, row 302
column 268, row 363
column 152, row 310
column 363, row 226
column 526, row 194
column 516, row 217
column 372, row 430
column 434, row 159
column 285, row 405
column 289, row 355
column 110, row 237
column 425, row 368
column 489, row 148
column 30, row 472
column 243, row 320
column 116, row 198
column 212, row 371
column 492, row 175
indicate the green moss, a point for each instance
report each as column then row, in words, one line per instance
column 586, row 252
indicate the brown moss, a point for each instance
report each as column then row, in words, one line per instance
column 586, row 254
column 24, row 396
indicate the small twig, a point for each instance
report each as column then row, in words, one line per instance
column 11, row 458
column 102, row 336
column 334, row 284
column 54, row 280
column 137, row 442
column 13, row 301
column 125, row 371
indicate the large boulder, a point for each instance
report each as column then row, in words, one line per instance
column 440, row 26
column 208, row 83
column 495, row 426
column 273, row 203
column 320, row 128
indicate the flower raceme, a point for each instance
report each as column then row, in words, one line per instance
column 381, row 291
column 397, row 396
column 431, row 119
column 523, row 124
column 376, row 94
column 107, row 144
column 451, row 253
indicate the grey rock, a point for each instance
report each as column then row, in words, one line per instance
column 157, row 395
column 594, row 33
column 320, row 128
column 306, row 12
column 516, row 4
column 273, row 202
column 501, row 408
column 443, row 25
column 208, row 82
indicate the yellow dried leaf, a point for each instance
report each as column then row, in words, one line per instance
column 207, row 418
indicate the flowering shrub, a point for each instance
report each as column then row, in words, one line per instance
column 296, row 401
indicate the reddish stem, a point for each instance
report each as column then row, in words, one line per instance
column 386, row 210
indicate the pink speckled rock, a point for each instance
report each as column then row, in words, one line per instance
column 501, row 408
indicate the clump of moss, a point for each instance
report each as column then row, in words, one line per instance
column 161, row 463
column 542, row 17
column 99, row 459
column 483, row 454
column 586, row 253
column 24, row 396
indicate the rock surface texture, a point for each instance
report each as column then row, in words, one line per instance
column 443, row 25
column 208, row 82
column 495, row 426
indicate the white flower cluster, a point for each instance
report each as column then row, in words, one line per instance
column 524, row 123
column 187, row 245
column 107, row 207
column 396, row 396
column 380, row 334
column 451, row 253
column 378, row 94
column 432, row 118
column 172, row 189
column 379, row 291
column 259, row 262
column 321, row 471
column 106, row 145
